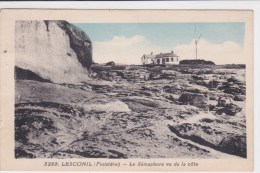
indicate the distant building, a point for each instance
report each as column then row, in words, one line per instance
column 148, row 59
column 162, row 58
column 167, row 58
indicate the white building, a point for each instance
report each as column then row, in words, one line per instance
column 162, row 58
column 148, row 59
column 167, row 58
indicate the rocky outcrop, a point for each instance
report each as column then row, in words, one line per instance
column 196, row 62
column 23, row 74
column 230, row 109
column 79, row 42
column 216, row 133
column 111, row 63
column 233, row 86
column 235, row 145
column 223, row 101
column 54, row 50
column 119, row 114
column 239, row 97
column 198, row 100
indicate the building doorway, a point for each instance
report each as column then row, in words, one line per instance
column 163, row 61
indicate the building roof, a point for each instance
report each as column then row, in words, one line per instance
column 149, row 56
column 163, row 55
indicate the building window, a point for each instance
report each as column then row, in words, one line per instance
column 167, row 59
column 158, row 61
column 172, row 59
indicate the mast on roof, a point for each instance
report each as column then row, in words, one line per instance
column 196, row 42
column 196, row 45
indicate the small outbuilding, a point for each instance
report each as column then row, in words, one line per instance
column 148, row 59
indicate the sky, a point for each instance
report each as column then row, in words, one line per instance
column 125, row 43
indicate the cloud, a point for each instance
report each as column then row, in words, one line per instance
column 227, row 52
column 121, row 41
column 129, row 50
column 124, row 50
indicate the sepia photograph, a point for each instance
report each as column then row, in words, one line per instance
column 133, row 91
column 129, row 90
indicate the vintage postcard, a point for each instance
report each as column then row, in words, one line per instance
column 126, row 90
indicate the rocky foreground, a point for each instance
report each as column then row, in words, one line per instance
column 134, row 112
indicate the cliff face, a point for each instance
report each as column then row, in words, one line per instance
column 55, row 50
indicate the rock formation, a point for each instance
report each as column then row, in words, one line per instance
column 182, row 111
column 24, row 74
column 120, row 114
column 54, row 50
column 196, row 62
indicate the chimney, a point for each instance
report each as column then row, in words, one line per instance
column 172, row 51
column 151, row 53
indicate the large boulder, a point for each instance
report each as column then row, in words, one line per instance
column 197, row 77
column 224, row 101
column 111, row 63
column 155, row 76
column 54, row 50
column 239, row 98
column 213, row 84
column 212, row 133
column 79, row 42
column 24, row 74
column 233, row 86
column 230, row 109
column 234, row 145
column 198, row 100
column 235, row 89
column 232, row 79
